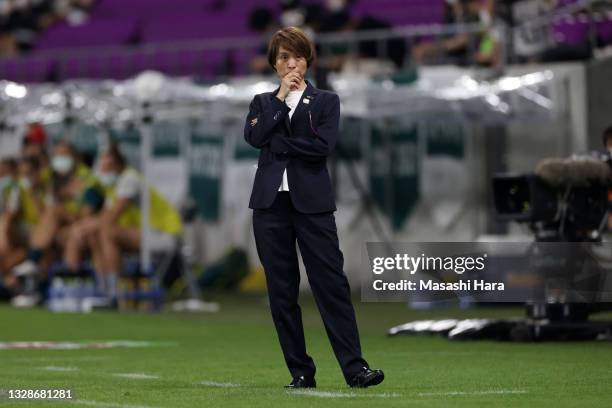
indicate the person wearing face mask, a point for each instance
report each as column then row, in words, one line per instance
column 117, row 228
column 75, row 194
column 295, row 129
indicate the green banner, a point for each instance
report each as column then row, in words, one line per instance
column 205, row 167
column 394, row 171
column 351, row 131
column 166, row 140
column 445, row 137
column 243, row 150
column 167, row 137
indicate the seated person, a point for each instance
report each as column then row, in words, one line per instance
column 75, row 195
column 118, row 227
column 454, row 48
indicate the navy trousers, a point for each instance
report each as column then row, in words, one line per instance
column 276, row 231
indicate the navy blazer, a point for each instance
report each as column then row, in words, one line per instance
column 301, row 145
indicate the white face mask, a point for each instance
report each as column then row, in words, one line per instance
column 108, row 179
column 62, row 164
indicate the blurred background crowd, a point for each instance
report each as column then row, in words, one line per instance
column 60, row 208
column 116, row 39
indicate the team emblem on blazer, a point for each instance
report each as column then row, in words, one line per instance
column 277, row 115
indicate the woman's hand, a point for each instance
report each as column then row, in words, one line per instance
column 290, row 82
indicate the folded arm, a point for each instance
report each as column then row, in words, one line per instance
column 322, row 138
column 260, row 123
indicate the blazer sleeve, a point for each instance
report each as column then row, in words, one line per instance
column 260, row 123
column 322, row 140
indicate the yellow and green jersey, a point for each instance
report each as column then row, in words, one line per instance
column 163, row 216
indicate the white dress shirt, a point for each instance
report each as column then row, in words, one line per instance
column 292, row 100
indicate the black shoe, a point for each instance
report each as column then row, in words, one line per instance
column 366, row 378
column 302, row 382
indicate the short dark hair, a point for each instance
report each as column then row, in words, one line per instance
column 294, row 40
column 115, row 153
column 74, row 152
column 607, row 134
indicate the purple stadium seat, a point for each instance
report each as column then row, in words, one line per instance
column 246, row 6
column 571, row 31
column 563, row 3
column 83, row 66
column 604, row 30
column 193, row 27
column 148, row 8
column 95, row 33
column 397, row 13
column 26, row 69
column 121, row 64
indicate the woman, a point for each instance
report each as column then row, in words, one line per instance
column 296, row 129
column 117, row 229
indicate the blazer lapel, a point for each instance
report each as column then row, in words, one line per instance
column 306, row 101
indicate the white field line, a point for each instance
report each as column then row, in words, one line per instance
column 218, row 384
column 58, row 368
column 332, row 394
column 458, row 393
column 55, row 359
column 136, row 376
column 100, row 404
column 446, row 353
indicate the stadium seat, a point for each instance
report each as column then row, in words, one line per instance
column 148, row 8
column 26, row 69
column 102, row 32
column 604, row 29
column 571, row 31
column 193, row 27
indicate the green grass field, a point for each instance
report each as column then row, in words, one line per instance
column 232, row 359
